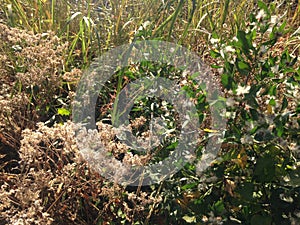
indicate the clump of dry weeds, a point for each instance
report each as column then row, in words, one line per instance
column 53, row 184
column 30, row 68
column 56, row 186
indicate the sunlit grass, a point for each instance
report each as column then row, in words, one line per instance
column 92, row 27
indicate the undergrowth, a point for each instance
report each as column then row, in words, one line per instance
column 252, row 48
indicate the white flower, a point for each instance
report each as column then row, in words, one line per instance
column 274, row 19
column 275, row 68
column 222, row 53
column 214, row 41
column 247, row 139
column 230, row 102
column 229, row 49
column 235, row 39
column 263, row 49
column 242, row 90
column 144, row 25
column 230, row 115
column 261, row 14
column 220, row 70
column 184, row 82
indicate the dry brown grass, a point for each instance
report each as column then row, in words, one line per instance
column 44, row 179
column 56, row 186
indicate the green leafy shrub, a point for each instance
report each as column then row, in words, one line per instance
column 255, row 180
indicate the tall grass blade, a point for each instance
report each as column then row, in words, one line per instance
column 174, row 17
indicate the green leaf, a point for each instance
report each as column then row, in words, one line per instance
column 189, row 219
column 216, row 66
column 63, row 112
column 120, row 213
column 244, row 114
column 214, row 54
column 259, row 219
column 272, row 102
column 189, row 186
column 284, row 104
column 243, row 67
column 272, row 90
column 219, row 206
column 282, row 26
column 229, row 67
column 263, row 6
column 242, row 41
column 215, row 35
column 254, row 114
column 293, row 62
column 263, row 135
column 279, row 130
column 270, row 42
column 246, row 191
column 265, row 169
column 226, row 81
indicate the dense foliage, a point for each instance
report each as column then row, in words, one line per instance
column 252, row 48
